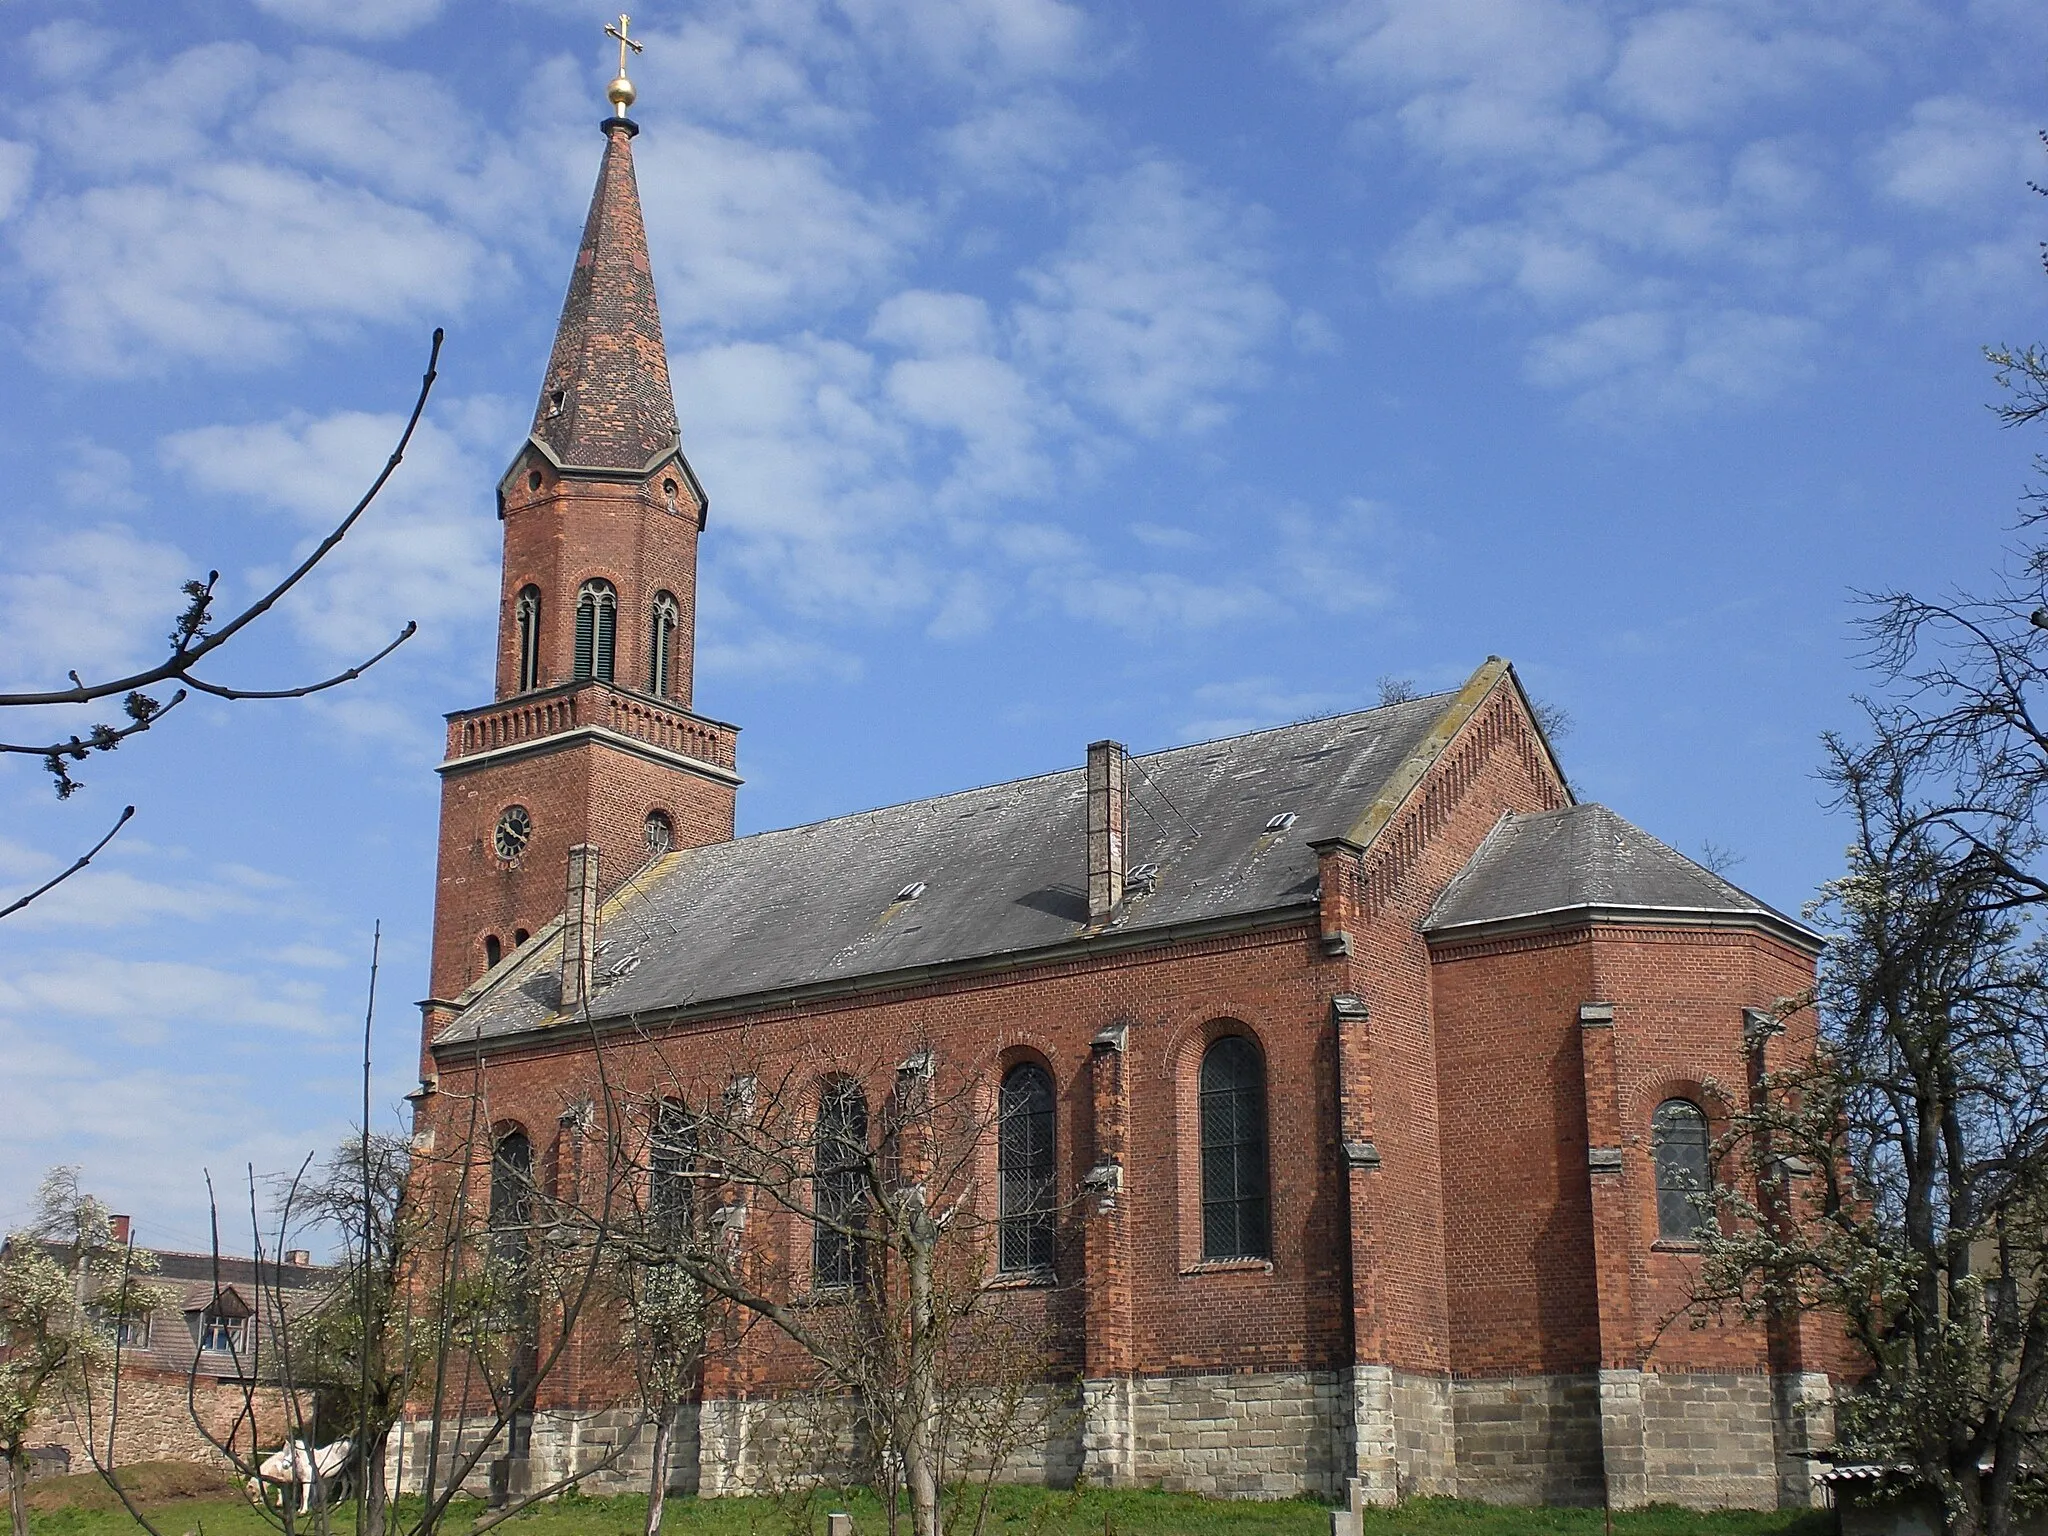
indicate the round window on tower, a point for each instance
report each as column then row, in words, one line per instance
column 660, row 833
column 515, row 831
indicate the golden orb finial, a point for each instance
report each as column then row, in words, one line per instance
column 620, row 92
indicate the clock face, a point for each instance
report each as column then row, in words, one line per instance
column 515, row 831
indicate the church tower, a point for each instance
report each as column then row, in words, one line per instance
column 591, row 738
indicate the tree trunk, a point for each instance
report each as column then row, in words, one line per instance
column 921, row 1453
column 657, row 1480
column 376, row 1493
column 17, row 1489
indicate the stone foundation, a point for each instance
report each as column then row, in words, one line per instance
column 1425, row 1448
column 1805, row 1404
column 1698, row 1439
column 1263, row 1435
column 1528, row 1439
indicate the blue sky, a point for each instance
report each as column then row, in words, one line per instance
column 1057, row 370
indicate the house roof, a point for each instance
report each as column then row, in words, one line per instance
column 1585, row 859
column 1003, row 871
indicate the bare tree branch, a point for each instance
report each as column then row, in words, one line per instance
column 84, row 859
column 190, row 641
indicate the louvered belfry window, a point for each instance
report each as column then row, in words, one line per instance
column 1024, row 1170
column 1236, row 1216
column 663, row 621
column 597, row 630
column 527, row 612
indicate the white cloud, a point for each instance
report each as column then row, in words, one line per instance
column 1018, row 141
column 1157, row 306
column 224, row 205
column 1644, row 180
column 96, row 477
column 140, row 1001
column 745, row 233
column 100, row 600
column 1465, row 80
column 113, row 895
column 136, row 272
column 17, row 171
column 1150, row 602
column 143, row 1126
column 426, row 549
column 1957, row 156
column 977, row 40
column 356, row 18
column 808, row 468
column 1643, row 361
column 1697, row 66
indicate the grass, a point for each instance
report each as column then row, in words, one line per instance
column 181, row 1505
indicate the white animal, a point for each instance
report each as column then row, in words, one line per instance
column 295, row 1466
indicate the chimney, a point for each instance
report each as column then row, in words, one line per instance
column 579, row 927
column 1105, row 830
column 117, row 1226
column 299, row 1258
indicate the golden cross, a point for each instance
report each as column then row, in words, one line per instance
column 625, row 42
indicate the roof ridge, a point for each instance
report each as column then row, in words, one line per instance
column 1053, row 773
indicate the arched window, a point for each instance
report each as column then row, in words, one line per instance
column 659, row 833
column 1024, row 1169
column 1236, row 1220
column 665, row 619
column 519, row 937
column 670, row 1198
column 1678, row 1145
column 839, row 1186
column 527, row 612
column 493, row 951
column 511, row 1207
column 597, row 630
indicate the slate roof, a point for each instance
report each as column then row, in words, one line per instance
column 609, row 368
column 1003, row 870
column 1584, row 856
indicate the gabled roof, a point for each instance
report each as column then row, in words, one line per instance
column 1585, row 861
column 606, row 403
column 1003, row 871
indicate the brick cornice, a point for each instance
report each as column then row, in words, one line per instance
column 589, row 735
column 1577, row 923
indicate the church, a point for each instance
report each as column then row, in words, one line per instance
column 1374, row 1067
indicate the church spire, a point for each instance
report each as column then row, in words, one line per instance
column 605, row 403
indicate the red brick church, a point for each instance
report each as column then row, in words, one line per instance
column 1464, row 1025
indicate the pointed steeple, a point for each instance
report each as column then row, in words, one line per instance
column 605, row 403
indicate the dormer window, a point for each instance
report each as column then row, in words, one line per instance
column 555, row 397
column 597, row 629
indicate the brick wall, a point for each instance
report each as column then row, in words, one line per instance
column 565, row 531
column 588, row 792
